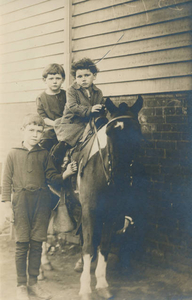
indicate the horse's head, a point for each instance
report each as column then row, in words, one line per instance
column 123, row 129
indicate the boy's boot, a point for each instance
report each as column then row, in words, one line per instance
column 37, row 290
column 22, row 292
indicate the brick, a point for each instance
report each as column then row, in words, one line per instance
column 169, row 111
column 175, row 119
column 158, row 178
column 154, row 152
column 177, row 155
column 157, row 136
column 179, row 127
column 156, row 119
column 164, row 127
column 148, row 144
column 183, row 145
column 156, row 102
column 179, row 110
column 186, row 136
column 153, row 169
column 166, row 145
column 147, row 135
column 151, row 160
column 171, row 136
column 159, row 111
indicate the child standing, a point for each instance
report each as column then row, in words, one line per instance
column 29, row 168
column 83, row 99
column 51, row 103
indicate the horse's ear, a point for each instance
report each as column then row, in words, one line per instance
column 110, row 106
column 137, row 105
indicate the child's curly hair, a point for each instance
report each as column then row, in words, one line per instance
column 84, row 64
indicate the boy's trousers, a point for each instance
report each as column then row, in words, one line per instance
column 34, row 261
column 32, row 210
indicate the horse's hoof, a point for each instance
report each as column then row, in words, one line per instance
column 86, row 297
column 104, row 293
column 79, row 266
column 47, row 267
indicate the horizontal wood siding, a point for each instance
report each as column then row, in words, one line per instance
column 32, row 36
column 140, row 46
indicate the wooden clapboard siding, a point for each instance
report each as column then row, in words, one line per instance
column 136, row 43
column 142, row 46
column 32, row 36
column 33, row 63
column 131, row 35
column 147, row 59
column 148, row 86
column 33, row 53
column 8, row 6
column 31, row 22
column 32, row 32
column 94, row 5
column 136, row 20
column 47, row 39
column 145, row 73
column 123, row 10
column 36, row 9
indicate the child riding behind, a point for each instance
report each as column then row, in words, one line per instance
column 51, row 103
column 28, row 170
column 83, row 99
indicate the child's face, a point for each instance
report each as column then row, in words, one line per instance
column 85, row 78
column 32, row 135
column 54, row 82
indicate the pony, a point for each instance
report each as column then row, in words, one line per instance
column 103, row 182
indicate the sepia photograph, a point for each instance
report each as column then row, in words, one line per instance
column 95, row 149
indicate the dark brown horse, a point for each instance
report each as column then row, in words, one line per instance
column 104, row 178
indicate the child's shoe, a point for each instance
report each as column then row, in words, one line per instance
column 22, row 293
column 37, row 290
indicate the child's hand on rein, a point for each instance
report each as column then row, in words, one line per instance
column 70, row 170
column 73, row 166
column 96, row 108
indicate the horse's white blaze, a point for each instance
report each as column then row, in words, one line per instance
column 102, row 141
column 119, row 124
column 100, row 272
column 85, row 280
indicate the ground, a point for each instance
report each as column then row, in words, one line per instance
column 143, row 282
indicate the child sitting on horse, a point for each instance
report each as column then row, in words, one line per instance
column 83, row 99
column 28, row 170
column 51, row 103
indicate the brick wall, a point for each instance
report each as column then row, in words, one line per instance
column 166, row 125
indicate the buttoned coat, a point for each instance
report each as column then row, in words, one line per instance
column 77, row 113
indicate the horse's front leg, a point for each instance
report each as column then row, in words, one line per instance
column 100, row 272
column 85, row 280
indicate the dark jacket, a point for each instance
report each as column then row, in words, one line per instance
column 77, row 113
column 52, row 107
column 28, row 170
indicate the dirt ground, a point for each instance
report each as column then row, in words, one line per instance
column 140, row 283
